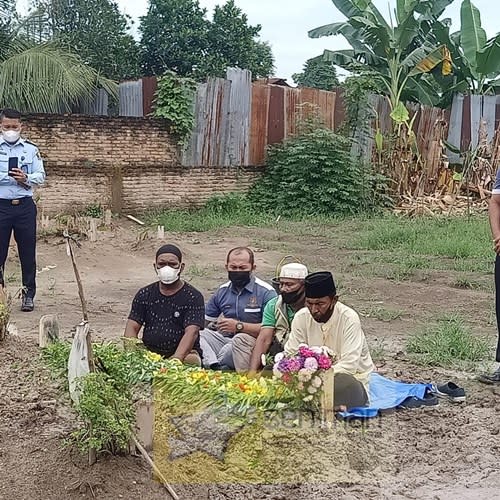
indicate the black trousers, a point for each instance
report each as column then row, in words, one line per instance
column 497, row 302
column 20, row 219
column 348, row 391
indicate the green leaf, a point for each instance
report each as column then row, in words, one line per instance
column 379, row 140
column 473, row 36
column 400, row 114
column 327, row 30
column 488, row 59
column 452, row 148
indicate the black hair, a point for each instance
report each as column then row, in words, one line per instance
column 10, row 113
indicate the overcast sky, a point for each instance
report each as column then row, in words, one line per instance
column 285, row 24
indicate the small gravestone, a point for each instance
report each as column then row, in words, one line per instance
column 49, row 330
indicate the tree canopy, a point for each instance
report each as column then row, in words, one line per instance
column 317, row 73
column 178, row 36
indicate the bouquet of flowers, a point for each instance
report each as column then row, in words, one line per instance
column 303, row 371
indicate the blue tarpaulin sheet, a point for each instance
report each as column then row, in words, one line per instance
column 385, row 394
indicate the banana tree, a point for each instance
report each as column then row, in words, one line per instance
column 476, row 60
column 402, row 50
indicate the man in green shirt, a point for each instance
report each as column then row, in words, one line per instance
column 278, row 315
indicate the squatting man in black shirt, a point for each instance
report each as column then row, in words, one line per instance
column 170, row 310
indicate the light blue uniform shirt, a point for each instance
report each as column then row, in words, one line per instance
column 29, row 162
column 246, row 305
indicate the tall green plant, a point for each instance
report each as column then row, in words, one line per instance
column 476, row 60
column 174, row 102
column 401, row 51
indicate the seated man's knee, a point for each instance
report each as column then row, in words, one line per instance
column 348, row 391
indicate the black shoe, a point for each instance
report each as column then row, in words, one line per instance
column 215, row 367
column 414, row 402
column 27, row 304
column 494, row 378
column 451, row 391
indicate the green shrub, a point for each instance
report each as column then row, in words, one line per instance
column 310, row 174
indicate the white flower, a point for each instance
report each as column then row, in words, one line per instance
column 307, row 398
column 326, row 350
column 303, row 345
column 304, row 375
column 279, row 357
column 276, row 372
column 316, row 382
column 312, row 390
column 316, row 349
column 300, row 386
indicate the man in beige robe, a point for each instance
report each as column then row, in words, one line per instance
column 327, row 322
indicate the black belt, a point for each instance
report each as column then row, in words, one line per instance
column 16, row 201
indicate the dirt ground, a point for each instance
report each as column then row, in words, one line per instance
column 450, row 451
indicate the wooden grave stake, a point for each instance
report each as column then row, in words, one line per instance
column 327, row 398
column 84, row 324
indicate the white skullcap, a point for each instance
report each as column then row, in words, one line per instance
column 294, row 270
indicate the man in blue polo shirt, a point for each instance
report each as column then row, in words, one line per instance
column 236, row 307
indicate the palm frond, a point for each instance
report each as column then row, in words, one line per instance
column 47, row 79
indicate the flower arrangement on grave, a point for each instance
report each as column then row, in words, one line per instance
column 304, row 370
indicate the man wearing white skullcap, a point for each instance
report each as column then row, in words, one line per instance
column 276, row 320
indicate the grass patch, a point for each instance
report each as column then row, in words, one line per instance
column 448, row 343
column 456, row 237
column 219, row 212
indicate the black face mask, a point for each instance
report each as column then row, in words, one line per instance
column 239, row 279
column 292, row 297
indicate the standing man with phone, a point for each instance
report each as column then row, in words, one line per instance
column 21, row 168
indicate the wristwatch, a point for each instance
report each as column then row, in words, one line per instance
column 239, row 326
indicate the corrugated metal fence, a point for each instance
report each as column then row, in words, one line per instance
column 235, row 119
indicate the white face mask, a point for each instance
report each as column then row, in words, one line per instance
column 11, row 135
column 168, row 275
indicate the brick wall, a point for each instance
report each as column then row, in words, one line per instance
column 127, row 163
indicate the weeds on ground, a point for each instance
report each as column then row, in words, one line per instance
column 448, row 343
column 382, row 313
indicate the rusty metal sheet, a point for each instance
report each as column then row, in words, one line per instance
column 466, row 132
column 292, row 111
column 149, row 86
column 258, row 123
column 192, row 154
column 239, row 116
column 327, row 102
column 340, row 108
column 276, row 122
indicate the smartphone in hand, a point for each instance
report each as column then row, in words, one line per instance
column 13, row 163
